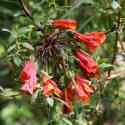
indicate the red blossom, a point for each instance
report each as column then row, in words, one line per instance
column 50, row 88
column 28, row 75
column 68, row 96
column 87, row 63
column 64, row 23
column 83, row 89
column 28, row 70
column 92, row 40
column 78, row 87
column 45, row 76
column 29, row 85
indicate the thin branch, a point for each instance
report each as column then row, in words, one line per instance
column 63, row 102
column 117, row 38
column 118, row 25
column 120, row 73
column 27, row 13
column 25, row 9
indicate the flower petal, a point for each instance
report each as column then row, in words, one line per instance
column 87, row 63
column 92, row 40
column 27, row 70
column 68, row 97
column 29, row 86
column 50, row 88
column 28, row 75
column 64, row 23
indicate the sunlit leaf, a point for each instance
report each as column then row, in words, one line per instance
column 27, row 45
column 17, row 61
column 50, row 101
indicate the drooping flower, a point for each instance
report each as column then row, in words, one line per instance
column 28, row 70
column 64, row 23
column 83, row 89
column 29, row 85
column 50, row 88
column 28, row 75
column 87, row 63
column 68, row 97
column 92, row 40
column 45, row 76
column 49, row 85
column 78, row 87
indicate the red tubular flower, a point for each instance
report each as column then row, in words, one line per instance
column 92, row 40
column 50, row 88
column 78, row 87
column 28, row 75
column 29, row 85
column 28, row 70
column 68, row 96
column 49, row 85
column 64, row 23
column 83, row 89
column 87, row 63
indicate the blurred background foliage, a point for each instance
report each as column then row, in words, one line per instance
column 18, row 36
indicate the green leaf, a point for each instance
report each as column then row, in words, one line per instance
column 13, row 37
column 67, row 121
column 27, row 45
column 11, row 48
column 17, row 61
column 4, row 72
column 2, row 50
column 24, row 30
column 35, row 95
column 9, row 93
column 105, row 66
column 87, row 1
column 50, row 101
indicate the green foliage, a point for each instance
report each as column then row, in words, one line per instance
column 19, row 36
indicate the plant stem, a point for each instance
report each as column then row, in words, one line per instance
column 117, row 38
column 27, row 13
column 25, row 9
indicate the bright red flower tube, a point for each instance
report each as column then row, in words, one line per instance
column 29, row 85
column 83, row 89
column 87, row 63
column 28, row 75
column 50, row 88
column 68, row 97
column 28, row 70
column 64, row 23
column 92, row 40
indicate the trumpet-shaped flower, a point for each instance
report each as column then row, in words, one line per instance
column 87, row 63
column 68, row 97
column 28, row 75
column 50, row 88
column 83, row 89
column 64, row 23
column 92, row 40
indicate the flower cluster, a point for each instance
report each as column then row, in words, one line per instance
column 92, row 40
column 78, row 86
